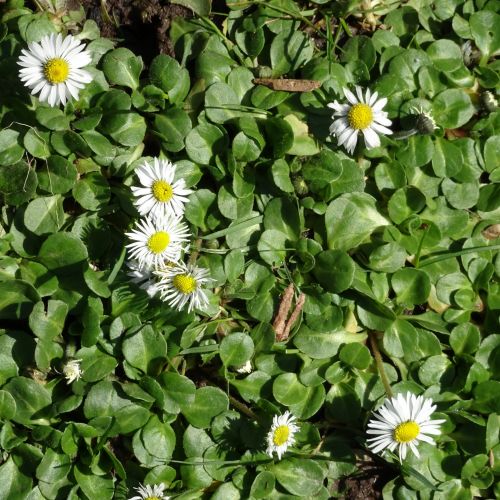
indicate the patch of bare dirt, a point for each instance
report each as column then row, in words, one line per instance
column 140, row 25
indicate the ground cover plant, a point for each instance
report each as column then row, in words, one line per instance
column 249, row 249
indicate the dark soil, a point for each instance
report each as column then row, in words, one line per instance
column 140, row 25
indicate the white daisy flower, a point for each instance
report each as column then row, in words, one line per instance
column 148, row 492
column 281, row 434
column 182, row 284
column 363, row 114
column 143, row 277
column 159, row 195
column 155, row 241
column 53, row 67
column 401, row 422
column 72, row 371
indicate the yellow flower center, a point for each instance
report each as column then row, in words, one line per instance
column 184, row 283
column 360, row 116
column 152, row 498
column 281, row 434
column 158, row 242
column 162, row 191
column 407, row 431
column 56, row 70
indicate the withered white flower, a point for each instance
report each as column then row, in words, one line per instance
column 401, row 422
column 72, row 371
column 156, row 240
column 53, row 68
column 160, row 195
column 281, row 435
column 143, row 277
column 147, row 492
column 182, row 284
column 362, row 115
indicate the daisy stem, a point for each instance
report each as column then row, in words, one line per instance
column 379, row 363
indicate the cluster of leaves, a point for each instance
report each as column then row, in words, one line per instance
column 398, row 246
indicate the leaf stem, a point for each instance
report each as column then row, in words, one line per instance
column 379, row 363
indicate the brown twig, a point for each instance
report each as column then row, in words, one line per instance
column 281, row 324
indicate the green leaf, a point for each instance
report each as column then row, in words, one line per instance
column 485, row 29
column 208, row 403
column 411, row 286
column 172, row 127
column 221, row 103
column 356, row 355
column 204, row 141
column 62, row 252
column 445, row 54
column 122, row 67
column 262, row 485
column 288, row 390
column 128, row 129
column 301, row 477
column 145, row 350
column 7, row 405
column 465, row 338
column 93, row 486
column 10, row 147
column 178, row 391
column 57, row 176
column 52, row 118
column 44, row 215
column 32, row 401
column 18, row 183
column 167, row 74
column 350, row 219
column 17, row 298
column 236, row 349
column 199, row 7
column 334, row 270
column 14, row 483
column 92, row 191
column 36, row 143
column 47, row 322
column 322, row 345
column 452, row 108
column 272, row 247
column 289, row 52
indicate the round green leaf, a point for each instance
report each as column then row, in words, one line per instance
column 288, row 390
column 7, row 405
column 11, row 151
column 58, row 175
column 18, row 183
column 334, row 270
column 236, row 349
column 172, row 126
column 208, row 403
column 145, row 350
column 122, row 67
column 445, row 54
column 262, row 485
column 301, row 477
column 44, row 215
column 356, row 355
column 60, row 251
column 465, row 338
column 221, row 103
column 452, row 108
column 32, row 401
column 412, row 286
column 204, row 141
